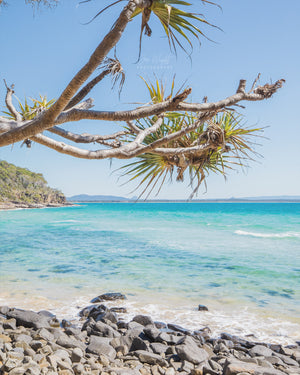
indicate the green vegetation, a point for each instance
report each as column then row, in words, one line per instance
column 19, row 185
column 229, row 146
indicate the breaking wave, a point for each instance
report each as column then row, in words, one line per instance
column 268, row 235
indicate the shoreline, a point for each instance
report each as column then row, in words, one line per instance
column 234, row 318
column 10, row 206
column 104, row 343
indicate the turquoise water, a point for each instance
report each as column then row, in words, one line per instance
column 242, row 260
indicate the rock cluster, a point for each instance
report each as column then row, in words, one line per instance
column 37, row 343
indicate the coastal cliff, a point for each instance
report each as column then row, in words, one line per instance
column 21, row 188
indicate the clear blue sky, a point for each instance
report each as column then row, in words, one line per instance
column 40, row 53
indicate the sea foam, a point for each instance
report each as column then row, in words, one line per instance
column 268, row 235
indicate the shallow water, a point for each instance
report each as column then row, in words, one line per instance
column 242, row 260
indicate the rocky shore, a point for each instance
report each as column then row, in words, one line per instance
column 22, row 205
column 38, row 343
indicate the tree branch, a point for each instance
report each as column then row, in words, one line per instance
column 46, row 120
column 261, row 93
column 86, row 89
column 9, row 103
column 86, row 138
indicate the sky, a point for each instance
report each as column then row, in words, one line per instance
column 43, row 49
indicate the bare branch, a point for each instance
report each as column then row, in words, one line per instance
column 138, row 113
column 143, row 134
column 169, row 105
column 9, row 103
column 242, row 86
column 46, row 120
column 86, row 89
column 133, row 127
column 254, row 83
column 86, row 138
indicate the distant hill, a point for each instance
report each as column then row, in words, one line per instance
column 273, row 198
column 20, row 186
column 96, row 198
column 112, row 198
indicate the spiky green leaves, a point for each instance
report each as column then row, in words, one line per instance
column 177, row 23
column 29, row 111
column 223, row 142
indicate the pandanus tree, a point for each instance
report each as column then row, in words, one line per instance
column 169, row 134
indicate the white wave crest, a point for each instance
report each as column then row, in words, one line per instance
column 268, row 235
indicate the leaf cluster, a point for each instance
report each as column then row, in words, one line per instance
column 228, row 139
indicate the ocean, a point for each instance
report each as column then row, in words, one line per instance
column 241, row 260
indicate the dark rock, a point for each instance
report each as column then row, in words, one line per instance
column 144, row 320
column 36, row 344
column 236, row 340
column 152, row 333
column 103, row 329
column 276, row 348
column 177, row 328
column 90, row 310
column 168, row 338
column 150, row 358
column 130, row 335
column 202, row 308
column 138, row 344
column 188, row 350
column 65, row 323
column 107, row 317
column 122, row 325
column 220, row 347
column 98, row 346
column 108, row 297
column 158, row 348
column 71, row 331
column 260, row 350
column 200, row 338
column 88, row 324
column 28, row 319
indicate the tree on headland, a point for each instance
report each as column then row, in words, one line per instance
column 169, row 134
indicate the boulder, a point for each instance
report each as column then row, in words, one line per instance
column 168, row 338
column 103, row 329
column 202, row 308
column 28, row 319
column 150, row 358
column 108, row 297
column 138, row 344
column 158, row 348
column 236, row 367
column 144, row 320
column 260, row 351
column 67, row 342
column 189, row 351
column 152, row 333
column 98, row 346
column 177, row 328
